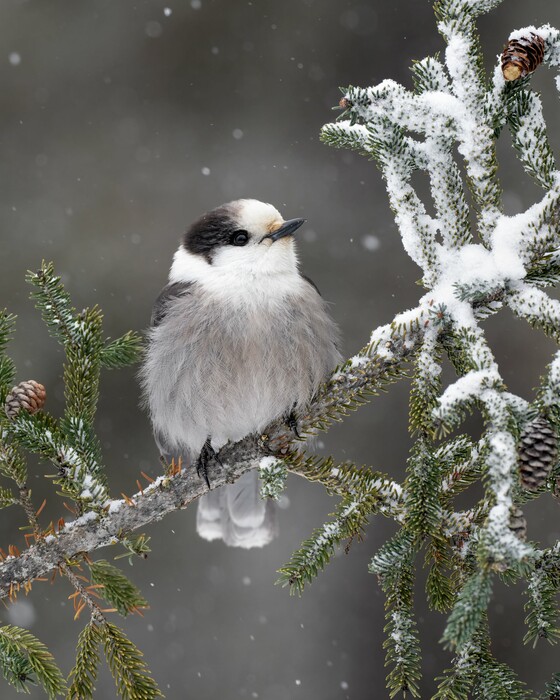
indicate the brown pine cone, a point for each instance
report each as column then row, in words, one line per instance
column 29, row 395
column 538, row 452
column 522, row 56
column 517, row 523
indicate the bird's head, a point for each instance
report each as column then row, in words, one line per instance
column 245, row 233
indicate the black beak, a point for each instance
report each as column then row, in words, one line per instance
column 287, row 228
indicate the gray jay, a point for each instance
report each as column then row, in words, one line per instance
column 239, row 338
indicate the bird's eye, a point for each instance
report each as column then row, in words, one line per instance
column 239, row 238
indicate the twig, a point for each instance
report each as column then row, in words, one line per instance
column 87, row 599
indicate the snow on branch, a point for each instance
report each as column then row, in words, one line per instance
column 469, row 273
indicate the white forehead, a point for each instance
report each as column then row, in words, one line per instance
column 255, row 216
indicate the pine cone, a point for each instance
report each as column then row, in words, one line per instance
column 29, row 395
column 522, row 56
column 517, row 523
column 537, row 450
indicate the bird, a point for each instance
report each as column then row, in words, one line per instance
column 239, row 338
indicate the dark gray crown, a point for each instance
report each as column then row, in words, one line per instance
column 213, row 229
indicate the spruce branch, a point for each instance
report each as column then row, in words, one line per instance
column 127, row 666
column 12, row 462
column 552, row 691
column 273, row 475
column 476, row 141
column 476, row 673
column 441, row 584
column 24, row 659
column 423, row 484
column 393, row 565
column 549, row 391
column 541, row 607
column 346, row 480
column 7, row 498
column 82, row 369
column 83, row 595
column 131, row 675
column 454, row 107
column 116, row 587
column 27, row 505
column 457, row 681
column 7, row 368
column 348, row 521
column 461, row 466
column 469, row 610
column 84, row 673
column 530, row 138
column 497, row 680
column 540, row 310
column 121, row 352
column 78, row 472
column 54, row 302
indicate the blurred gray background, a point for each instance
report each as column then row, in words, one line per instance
column 120, row 122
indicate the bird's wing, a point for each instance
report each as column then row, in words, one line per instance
column 167, row 294
column 316, row 288
column 312, row 283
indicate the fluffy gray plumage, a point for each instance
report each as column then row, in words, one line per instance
column 240, row 339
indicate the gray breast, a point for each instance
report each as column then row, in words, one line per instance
column 226, row 370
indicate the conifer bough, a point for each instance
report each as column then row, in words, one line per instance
column 469, row 273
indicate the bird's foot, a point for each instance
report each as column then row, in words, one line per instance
column 292, row 423
column 207, row 454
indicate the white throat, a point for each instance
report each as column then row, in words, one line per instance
column 273, row 274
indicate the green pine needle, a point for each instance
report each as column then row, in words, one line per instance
column 84, row 673
column 441, row 584
column 12, row 463
column 7, row 324
column 542, row 600
column 117, row 589
column 7, row 368
column 53, row 301
column 423, row 484
column 82, row 369
column 477, row 674
column 403, row 133
column 122, row 352
column 457, row 681
column 394, row 566
column 24, row 659
column 530, row 139
column 127, row 667
column 552, row 691
column 349, row 521
column 7, row 498
column 469, row 610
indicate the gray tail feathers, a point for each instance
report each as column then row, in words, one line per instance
column 237, row 514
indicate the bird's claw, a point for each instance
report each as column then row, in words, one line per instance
column 207, row 453
column 292, row 423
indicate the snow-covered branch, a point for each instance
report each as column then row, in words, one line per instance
column 469, row 273
column 455, row 108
